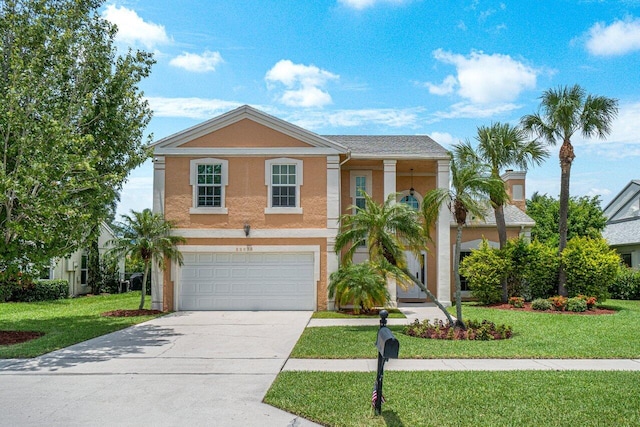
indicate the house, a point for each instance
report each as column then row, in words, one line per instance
column 622, row 230
column 74, row 268
column 258, row 201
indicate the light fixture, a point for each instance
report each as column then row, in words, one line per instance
column 247, row 229
column 412, row 191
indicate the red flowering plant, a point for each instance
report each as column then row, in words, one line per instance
column 517, row 302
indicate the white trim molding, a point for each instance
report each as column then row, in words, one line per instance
column 256, row 233
column 443, row 239
column 389, row 177
column 158, row 184
column 268, row 164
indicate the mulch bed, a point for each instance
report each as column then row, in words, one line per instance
column 527, row 307
column 17, row 337
column 130, row 313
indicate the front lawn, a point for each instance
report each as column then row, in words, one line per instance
column 394, row 313
column 513, row 398
column 535, row 335
column 65, row 322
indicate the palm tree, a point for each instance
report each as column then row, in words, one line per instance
column 564, row 112
column 501, row 146
column 359, row 284
column 144, row 236
column 387, row 230
column 471, row 183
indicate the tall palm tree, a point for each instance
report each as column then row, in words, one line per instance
column 563, row 112
column 144, row 236
column 387, row 230
column 471, row 184
column 501, row 146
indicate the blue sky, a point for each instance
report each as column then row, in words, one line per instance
column 440, row 68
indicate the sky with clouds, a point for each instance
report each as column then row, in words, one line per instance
column 440, row 68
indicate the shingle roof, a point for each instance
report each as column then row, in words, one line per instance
column 390, row 146
column 622, row 233
column 513, row 216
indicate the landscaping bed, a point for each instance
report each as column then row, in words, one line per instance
column 527, row 307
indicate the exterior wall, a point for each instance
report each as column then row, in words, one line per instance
column 633, row 250
column 245, row 133
column 513, row 180
column 242, row 244
column 246, row 196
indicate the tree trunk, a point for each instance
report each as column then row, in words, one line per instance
column 456, row 274
column 93, row 267
column 566, row 159
column 143, row 290
column 424, row 289
column 502, row 237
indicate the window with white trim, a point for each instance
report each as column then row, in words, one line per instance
column 283, row 178
column 361, row 189
column 360, row 183
column 208, row 177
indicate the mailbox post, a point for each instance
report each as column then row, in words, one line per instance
column 388, row 348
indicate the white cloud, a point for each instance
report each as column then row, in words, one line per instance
column 192, row 108
column 208, row 61
column 444, row 138
column 133, row 30
column 624, row 129
column 384, row 117
column 444, row 88
column 363, row 4
column 304, row 84
column 619, row 38
column 485, row 79
column 467, row 110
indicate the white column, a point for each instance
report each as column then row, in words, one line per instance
column 443, row 240
column 390, row 188
column 157, row 275
column 158, row 184
column 333, row 218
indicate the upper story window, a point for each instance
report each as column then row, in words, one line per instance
column 360, row 183
column 283, row 178
column 411, row 201
column 208, row 177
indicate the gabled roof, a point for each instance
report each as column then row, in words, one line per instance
column 622, row 233
column 241, row 113
column 391, row 146
column 626, row 205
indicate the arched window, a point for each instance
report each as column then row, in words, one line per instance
column 411, row 201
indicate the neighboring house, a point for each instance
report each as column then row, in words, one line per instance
column 622, row 230
column 74, row 268
column 258, row 201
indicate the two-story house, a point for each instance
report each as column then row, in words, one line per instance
column 258, row 201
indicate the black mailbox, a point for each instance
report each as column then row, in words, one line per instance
column 387, row 343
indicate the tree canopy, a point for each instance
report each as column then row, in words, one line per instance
column 72, row 121
column 585, row 219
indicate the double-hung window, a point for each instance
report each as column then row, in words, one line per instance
column 208, row 179
column 283, row 178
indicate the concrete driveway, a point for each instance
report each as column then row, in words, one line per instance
column 187, row 368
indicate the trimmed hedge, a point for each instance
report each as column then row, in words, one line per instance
column 591, row 266
column 41, row 290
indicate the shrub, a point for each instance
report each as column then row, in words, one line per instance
column 517, row 302
column 540, row 271
column 358, row 284
column 558, row 303
column 476, row 330
column 541, row 304
column 484, row 270
column 577, row 305
column 626, row 285
column 41, row 290
column 590, row 266
column 589, row 301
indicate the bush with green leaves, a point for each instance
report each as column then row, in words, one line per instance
column 476, row 330
column 532, row 269
column 577, row 305
column 41, row 290
column 362, row 285
column 541, row 304
column 484, row 270
column 591, row 267
column 626, row 284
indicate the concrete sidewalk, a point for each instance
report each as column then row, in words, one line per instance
column 422, row 311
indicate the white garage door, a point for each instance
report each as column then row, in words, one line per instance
column 247, row 281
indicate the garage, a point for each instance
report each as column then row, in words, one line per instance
column 247, row 281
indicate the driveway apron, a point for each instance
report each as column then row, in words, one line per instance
column 186, row 368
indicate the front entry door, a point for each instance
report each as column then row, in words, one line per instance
column 417, row 267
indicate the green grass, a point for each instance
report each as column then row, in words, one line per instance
column 536, row 335
column 513, row 398
column 65, row 322
column 394, row 313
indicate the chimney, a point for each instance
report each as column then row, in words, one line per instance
column 514, row 182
